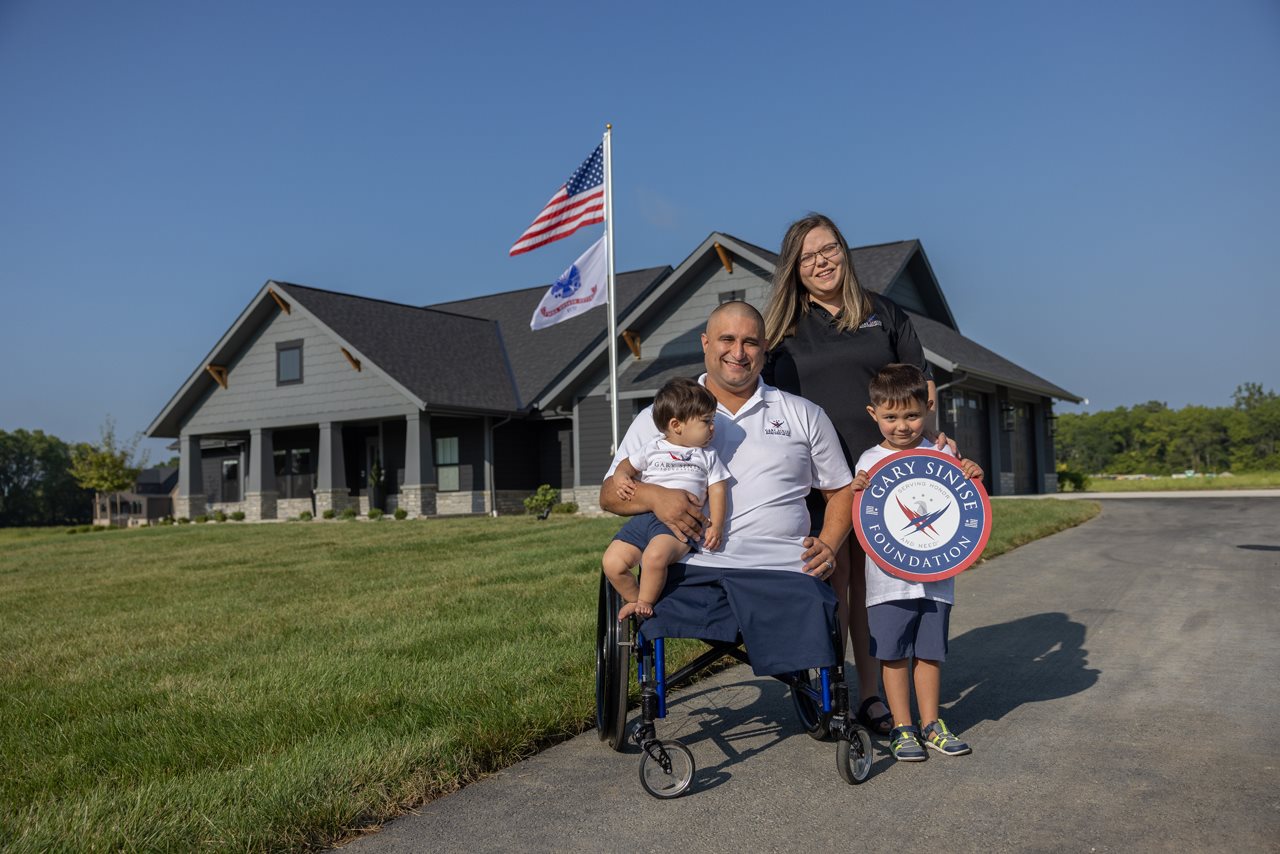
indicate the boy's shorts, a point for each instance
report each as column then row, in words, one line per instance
column 909, row 628
column 640, row 529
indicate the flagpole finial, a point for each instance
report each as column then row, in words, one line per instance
column 608, row 126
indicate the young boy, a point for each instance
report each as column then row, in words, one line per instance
column 908, row 619
column 681, row 458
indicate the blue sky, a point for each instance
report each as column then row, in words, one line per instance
column 1095, row 183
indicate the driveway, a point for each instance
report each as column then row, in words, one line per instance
column 1118, row 682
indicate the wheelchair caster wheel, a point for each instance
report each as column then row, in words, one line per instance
column 853, row 756
column 666, row 769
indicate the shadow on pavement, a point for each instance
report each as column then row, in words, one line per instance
column 992, row 670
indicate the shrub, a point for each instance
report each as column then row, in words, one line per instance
column 219, row 516
column 237, row 516
column 401, row 514
column 350, row 513
column 183, row 520
column 1077, row 481
column 305, row 516
column 328, row 513
column 543, row 500
column 566, row 507
column 375, row 514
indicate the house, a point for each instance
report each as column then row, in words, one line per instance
column 317, row 400
column 150, row 500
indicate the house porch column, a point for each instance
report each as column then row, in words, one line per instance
column 191, row 499
column 418, row 493
column 260, row 499
column 332, row 492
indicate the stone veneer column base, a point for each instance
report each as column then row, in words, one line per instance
column 1007, row 482
column 418, row 501
column 259, row 506
column 188, row 506
column 336, row 500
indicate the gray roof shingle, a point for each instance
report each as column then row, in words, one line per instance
column 539, row 358
column 447, row 360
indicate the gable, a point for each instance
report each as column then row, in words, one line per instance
column 331, row 388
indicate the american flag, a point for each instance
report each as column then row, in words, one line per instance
column 579, row 202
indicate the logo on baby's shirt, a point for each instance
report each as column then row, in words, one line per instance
column 776, row 427
column 873, row 320
column 920, row 518
column 684, row 458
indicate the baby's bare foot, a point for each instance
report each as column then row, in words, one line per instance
column 640, row 609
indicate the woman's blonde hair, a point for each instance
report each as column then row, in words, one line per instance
column 789, row 299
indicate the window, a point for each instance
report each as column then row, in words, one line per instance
column 730, row 296
column 447, row 464
column 288, row 363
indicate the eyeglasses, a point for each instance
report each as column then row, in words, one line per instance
column 831, row 252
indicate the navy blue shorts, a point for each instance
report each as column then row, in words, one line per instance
column 909, row 628
column 786, row 619
column 640, row 529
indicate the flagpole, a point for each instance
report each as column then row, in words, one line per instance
column 613, row 319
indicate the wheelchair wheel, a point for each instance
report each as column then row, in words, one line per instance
column 815, row 722
column 666, row 769
column 854, row 757
column 613, row 668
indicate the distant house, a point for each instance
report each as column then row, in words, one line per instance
column 318, row 400
column 150, row 500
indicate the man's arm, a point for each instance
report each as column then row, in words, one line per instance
column 678, row 510
column 819, row 554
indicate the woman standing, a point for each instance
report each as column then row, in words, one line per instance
column 828, row 338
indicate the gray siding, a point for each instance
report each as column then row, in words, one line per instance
column 330, row 387
column 594, row 438
column 906, row 293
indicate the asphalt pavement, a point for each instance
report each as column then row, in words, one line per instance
column 1118, row 682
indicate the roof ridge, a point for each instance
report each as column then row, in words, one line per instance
column 377, row 300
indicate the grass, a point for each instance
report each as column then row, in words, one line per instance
column 1246, row 480
column 272, row 687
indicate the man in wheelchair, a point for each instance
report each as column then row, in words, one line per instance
column 767, row 584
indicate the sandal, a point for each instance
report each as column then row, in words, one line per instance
column 882, row 725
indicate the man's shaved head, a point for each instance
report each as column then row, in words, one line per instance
column 737, row 308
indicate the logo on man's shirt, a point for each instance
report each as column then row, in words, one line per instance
column 873, row 320
column 920, row 518
column 776, row 427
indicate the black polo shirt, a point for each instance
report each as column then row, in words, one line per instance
column 833, row 368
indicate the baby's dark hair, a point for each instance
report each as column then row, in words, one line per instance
column 682, row 399
column 898, row 384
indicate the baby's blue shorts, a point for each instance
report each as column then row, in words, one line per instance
column 640, row 529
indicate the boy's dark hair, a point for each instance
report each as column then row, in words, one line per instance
column 682, row 399
column 898, row 384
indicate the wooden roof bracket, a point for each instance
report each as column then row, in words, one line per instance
column 284, row 306
column 352, row 360
column 633, row 342
column 725, row 258
column 219, row 374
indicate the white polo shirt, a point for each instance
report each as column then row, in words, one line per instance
column 777, row 447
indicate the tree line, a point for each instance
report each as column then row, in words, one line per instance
column 1151, row 438
column 46, row 481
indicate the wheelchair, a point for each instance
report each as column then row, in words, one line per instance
column 820, row 696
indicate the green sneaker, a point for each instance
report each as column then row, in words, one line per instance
column 904, row 743
column 943, row 740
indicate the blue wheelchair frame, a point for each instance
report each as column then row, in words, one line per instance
column 820, row 696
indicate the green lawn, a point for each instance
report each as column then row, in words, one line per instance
column 1247, row 480
column 271, row 687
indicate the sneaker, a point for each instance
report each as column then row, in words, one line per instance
column 904, row 743
column 943, row 740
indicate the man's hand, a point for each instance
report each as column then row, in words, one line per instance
column 679, row 510
column 820, row 560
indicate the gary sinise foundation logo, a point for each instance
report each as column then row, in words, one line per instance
column 920, row 518
column 776, row 427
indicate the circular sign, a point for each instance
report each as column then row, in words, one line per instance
column 920, row 518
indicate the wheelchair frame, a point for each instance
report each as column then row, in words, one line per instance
column 820, row 696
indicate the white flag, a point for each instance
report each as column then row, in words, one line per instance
column 580, row 288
